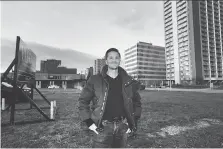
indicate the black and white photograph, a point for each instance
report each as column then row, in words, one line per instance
column 111, row 74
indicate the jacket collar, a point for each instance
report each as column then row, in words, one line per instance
column 125, row 77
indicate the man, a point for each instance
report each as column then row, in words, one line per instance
column 116, row 104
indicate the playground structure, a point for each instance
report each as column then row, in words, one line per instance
column 24, row 65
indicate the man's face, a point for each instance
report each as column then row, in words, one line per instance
column 113, row 60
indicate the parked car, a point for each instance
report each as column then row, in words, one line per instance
column 27, row 90
column 53, row 86
column 142, row 87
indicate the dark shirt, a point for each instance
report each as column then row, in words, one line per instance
column 115, row 104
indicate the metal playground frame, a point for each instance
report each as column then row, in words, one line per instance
column 24, row 65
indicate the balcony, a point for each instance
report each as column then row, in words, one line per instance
column 205, row 54
column 179, row 9
column 212, row 51
column 168, row 26
column 203, row 25
column 216, row 20
column 207, row 76
column 217, row 36
column 216, row 9
column 206, row 68
column 181, row 3
column 202, row 10
column 220, row 69
column 204, row 39
column 215, row 2
column 219, row 62
column 205, row 59
column 212, row 60
column 216, row 17
column 217, row 27
column 212, row 55
column 218, row 53
column 202, row 3
column 167, row 16
column 166, row 4
column 211, row 31
column 209, row 11
column 205, row 44
column 217, row 30
column 205, row 63
column 203, row 16
column 211, row 34
column 204, row 32
column 213, row 66
column 210, row 18
column 205, row 51
column 209, row 5
column 211, row 43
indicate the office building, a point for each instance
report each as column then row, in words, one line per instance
column 54, row 66
column 49, row 65
column 89, row 72
column 193, row 41
column 98, row 64
column 146, row 63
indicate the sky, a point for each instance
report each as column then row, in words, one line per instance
column 88, row 26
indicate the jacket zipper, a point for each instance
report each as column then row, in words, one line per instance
column 104, row 104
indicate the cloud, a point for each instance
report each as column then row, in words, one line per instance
column 56, row 13
column 70, row 58
column 27, row 23
column 139, row 16
column 133, row 20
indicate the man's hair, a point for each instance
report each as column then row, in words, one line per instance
column 110, row 50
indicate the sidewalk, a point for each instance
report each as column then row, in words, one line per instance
column 206, row 90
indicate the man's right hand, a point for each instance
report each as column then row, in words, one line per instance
column 128, row 131
column 93, row 127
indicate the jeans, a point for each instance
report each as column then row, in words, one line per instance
column 113, row 135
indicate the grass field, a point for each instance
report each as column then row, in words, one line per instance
column 169, row 119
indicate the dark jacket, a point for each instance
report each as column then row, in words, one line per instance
column 96, row 90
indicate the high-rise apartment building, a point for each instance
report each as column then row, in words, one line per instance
column 98, row 64
column 193, row 41
column 146, row 62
